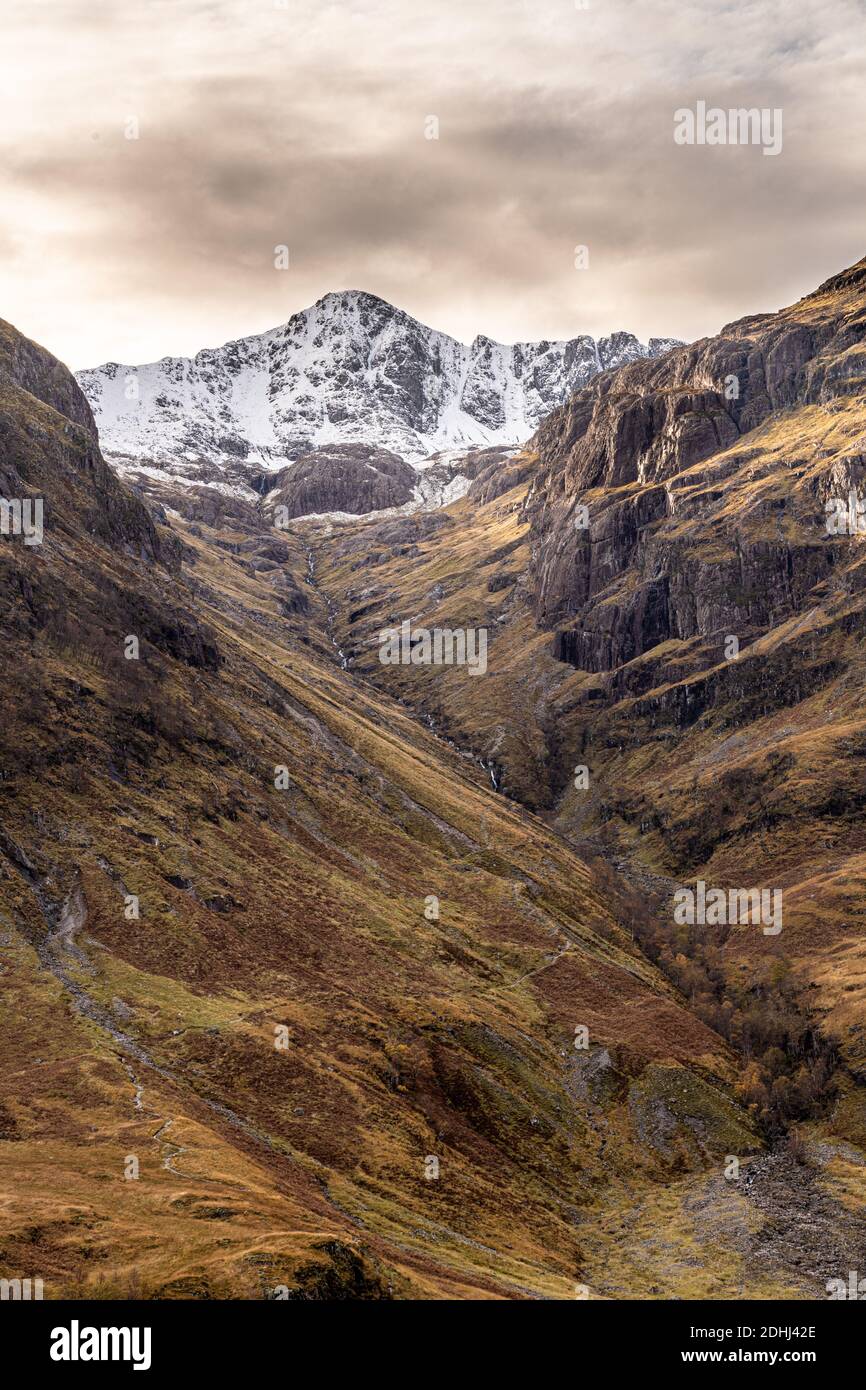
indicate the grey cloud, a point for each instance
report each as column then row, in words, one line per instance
column 305, row 126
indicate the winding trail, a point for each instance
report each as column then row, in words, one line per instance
column 176, row 1150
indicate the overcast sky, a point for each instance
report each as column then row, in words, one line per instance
column 262, row 124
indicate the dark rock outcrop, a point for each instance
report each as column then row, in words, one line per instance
column 354, row 478
column 50, row 455
column 666, row 549
column 49, row 449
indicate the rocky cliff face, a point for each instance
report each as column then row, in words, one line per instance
column 350, row 370
column 352, row 478
column 49, row 450
column 656, row 511
column 97, row 571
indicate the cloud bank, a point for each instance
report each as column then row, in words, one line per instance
column 305, row 124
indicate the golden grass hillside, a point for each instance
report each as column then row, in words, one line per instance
column 609, row 650
column 294, row 1003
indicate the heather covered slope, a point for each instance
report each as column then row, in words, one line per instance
column 705, row 505
column 148, row 786
column 704, row 764
column 608, row 641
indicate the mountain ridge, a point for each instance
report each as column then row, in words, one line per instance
column 350, row 369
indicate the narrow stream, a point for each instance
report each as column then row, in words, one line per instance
column 330, row 606
column 493, row 772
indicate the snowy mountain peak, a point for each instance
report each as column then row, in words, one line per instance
column 351, row 369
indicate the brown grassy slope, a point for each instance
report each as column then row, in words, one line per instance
column 151, row 1037
column 465, row 566
column 741, row 772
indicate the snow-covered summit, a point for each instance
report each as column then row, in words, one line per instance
column 350, row 369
